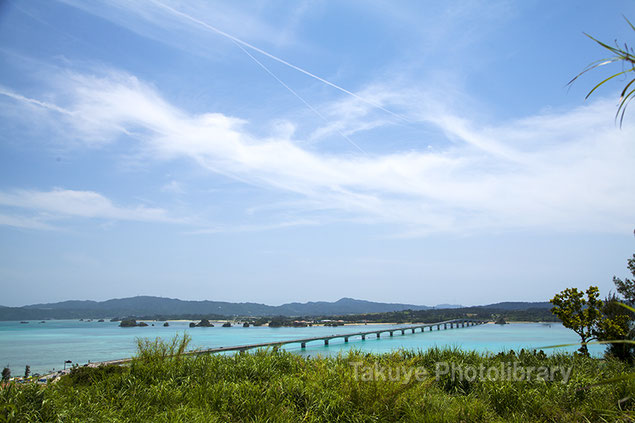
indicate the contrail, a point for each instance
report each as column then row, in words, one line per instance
column 34, row 101
column 277, row 59
column 306, row 103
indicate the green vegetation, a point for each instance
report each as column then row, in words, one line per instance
column 6, row 374
column 500, row 321
column 163, row 385
column 626, row 58
column 146, row 308
column 609, row 320
column 128, row 323
column 626, row 287
column 486, row 313
column 617, row 325
column 204, row 323
column 514, row 312
column 619, row 320
column 581, row 315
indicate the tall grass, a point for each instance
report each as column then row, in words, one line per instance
column 162, row 384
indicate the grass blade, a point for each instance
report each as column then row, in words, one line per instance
column 607, row 79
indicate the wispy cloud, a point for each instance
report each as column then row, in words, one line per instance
column 24, row 222
column 174, row 187
column 567, row 170
column 153, row 19
column 45, row 207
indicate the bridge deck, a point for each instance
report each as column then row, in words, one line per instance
column 334, row 336
column 326, row 338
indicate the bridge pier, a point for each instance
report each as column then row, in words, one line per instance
column 455, row 323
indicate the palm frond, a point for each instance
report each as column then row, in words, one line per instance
column 624, row 55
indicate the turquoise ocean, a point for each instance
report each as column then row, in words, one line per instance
column 45, row 346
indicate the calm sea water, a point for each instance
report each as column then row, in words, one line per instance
column 45, row 346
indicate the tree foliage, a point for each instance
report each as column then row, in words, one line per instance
column 626, row 287
column 607, row 320
column 616, row 326
column 618, row 322
column 6, row 374
column 582, row 315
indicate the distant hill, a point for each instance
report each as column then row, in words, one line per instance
column 158, row 306
column 510, row 311
column 348, row 305
column 145, row 306
column 518, row 305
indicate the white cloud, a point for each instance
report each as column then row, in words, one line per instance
column 154, row 20
column 568, row 170
column 60, row 204
column 24, row 222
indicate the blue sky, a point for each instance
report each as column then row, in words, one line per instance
column 414, row 151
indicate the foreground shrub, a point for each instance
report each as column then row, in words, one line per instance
column 163, row 384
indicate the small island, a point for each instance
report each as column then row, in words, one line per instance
column 501, row 321
column 130, row 323
column 204, row 323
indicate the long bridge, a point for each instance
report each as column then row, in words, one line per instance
column 451, row 324
column 447, row 324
